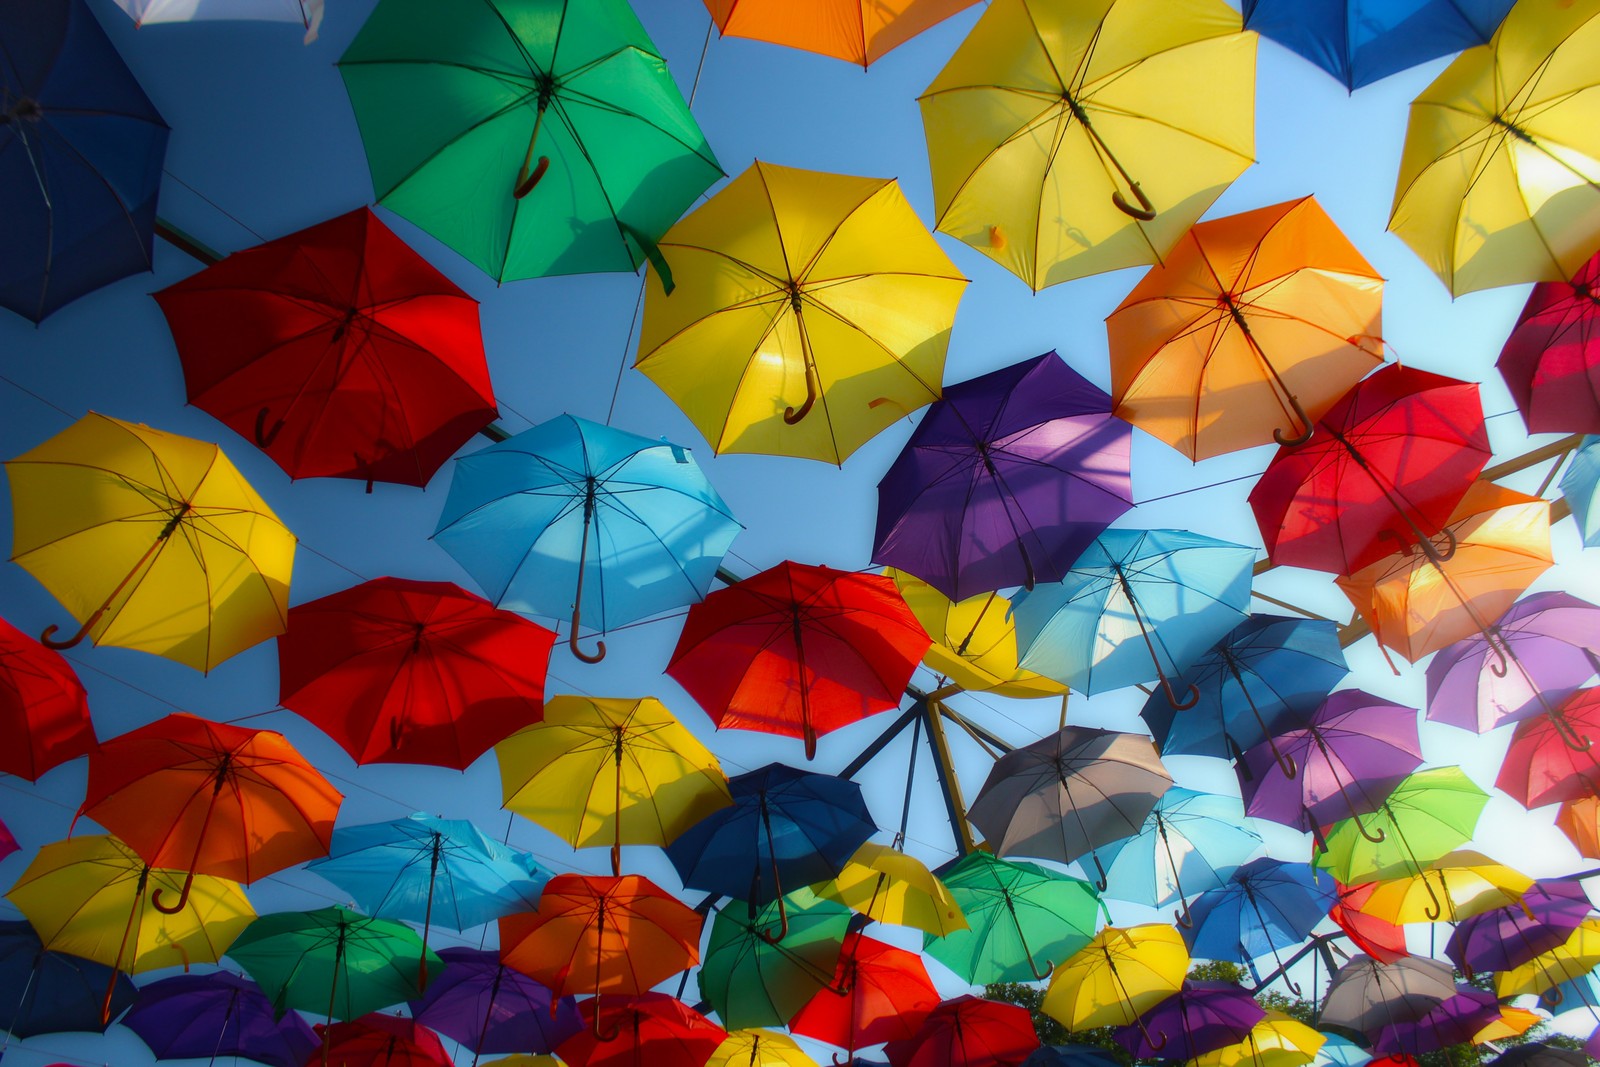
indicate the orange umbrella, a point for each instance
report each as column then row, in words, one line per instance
column 1248, row 331
column 1496, row 543
column 198, row 796
column 858, row 30
column 1580, row 821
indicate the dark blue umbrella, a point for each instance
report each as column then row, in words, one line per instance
column 489, row 1007
column 1360, row 41
column 1070, row 1056
column 44, row 992
column 203, row 1016
column 1264, row 906
column 81, row 149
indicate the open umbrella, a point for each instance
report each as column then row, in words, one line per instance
column 858, row 30
column 1573, row 958
column 1580, row 488
column 378, row 1040
column 647, row 1030
column 307, row 13
column 1200, row 1017
column 1542, row 919
column 1425, row 816
column 1579, row 820
column 489, row 1007
column 1265, row 906
column 974, row 641
column 878, row 993
column 888, row 886
column 751, row 978
column 1379, row 938
column 44, row 712
column 45, row 992
column 967, row 1031
column 759, row 1048
column 195, row 1016
column 1551, row 756
column 1365, row 995
column 1190, row 842
column 1276, row 1041
column 1551, row 360
column 1117, row 977
column 1467, row 883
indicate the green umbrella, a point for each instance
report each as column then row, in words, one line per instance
column 535, row 137
column 1022, row 919
column 752, row 980
column 1427, row 815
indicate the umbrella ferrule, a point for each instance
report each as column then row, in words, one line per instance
column 26, row 109
column 1512, row 128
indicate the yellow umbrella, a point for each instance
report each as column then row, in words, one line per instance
column 1117, row 977
column 1500, row 174
column 610, row 771
column 809, row 311
column 1578, row 956
column 1466, row 883
column 1071, row 139
column 151, row 540
column 759, row 1048
column 1513, row 1022
column 974, row 640
column 1276, row 1041
column 888, row 886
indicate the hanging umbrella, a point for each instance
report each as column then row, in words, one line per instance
column 1384, row 941
column 798, row 651
column 1070, row 793
column 44, row 712
column 856, row 30
column 196, row 1016
column 307, row 13
column 521, row 516
column 84, row 164
column 1513, row 1022
column 1022, row 920
column 1136, row 605
column 1117, row 977
column 44, row 992
column 1573, row 958
column 402, row 671
column 1061, row 140
column 798, row 290
column 1006, row 481
column 1275, row 1041
column 1467, row 883
column 1265, row 906
column 209, row 798
column 648, row 1030
column 1365, row 995
column 888, row 886
column 1579, row 820
column 1550, row 759
column 751, row 978
column 1200, row 1017
column 1247, row 331
column 1071, row 1056
column 378, row 1040
column 968, row 1031
column 151, row 541
column 1580, row 488
column 1429, row 813
column 1538, row 1054
column 337, row 350
column 974, row 641
column 595, row 764
column 1360, row 42
column 489, row 1007
column 878, row 993
column 1498, row 176
column 1265, row 675
column 1385, row 468
column 448, row 104
column 1500, row 939
column 759, row 1048
column 1551, row 360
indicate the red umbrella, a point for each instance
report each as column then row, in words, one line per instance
column 1382, row 940
column 1542, row 768
column 378, row 1040
column 649, row 1030
column 1551, row 361
column 799, row 651
column 399, row 671
column 44, row 716
column 968, row 1032
column 878, row 993
column 338, row 350
column 1384, row 469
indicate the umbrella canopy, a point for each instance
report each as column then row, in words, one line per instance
column 1005, row 481
column 44, row 992
column 489, row 1007
column 571, row 504
column 1579, row 820
column 610, row 771
column 1265, row 906
column 752, row 977
column 1538, row 1054
column 1551, row 360
column 1542, row 919
column 1573, row 958
column 1543, row 766
column 1276, row 1041
column 609, row 154
column 968, row 1032
column 1117, row 977
column 1200, row 1017
column 1190, row 842
column 307, row 13
column 402, row 671
column 1498, row 176
column 1061, row 139
column 337, row 350
column 82, row 150
column 798, row 651
column 1580, row 488
column 1366, row 995
column 151, row 541
column 1379, row 938
column 878, row 993
column 649, row 1030
column 759, row 1048
column 195, row 1016
column 888, row 886
column 1429, row 813
column 856, row 30
column 44, row 711
column 1248, row 330
column 1467, row 883
column 974, row 641
column 378, row 1040
column 798, row 290
column 1385, row 468
column 1362, row 41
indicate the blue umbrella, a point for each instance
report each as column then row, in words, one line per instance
column 1581, row 488
column 1360, row 41
column 575, row 517
column 1267, row 674
column 1070, row 1056
column 81, row 149
column 43, row 992
column 203, row 1016
column 1134, row 604
column 1264, row 906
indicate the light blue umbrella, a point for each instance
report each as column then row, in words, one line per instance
column 1190, row 842
column 1581, row 487
column 1135, row 605
column 1265, row 906
column 575, row 517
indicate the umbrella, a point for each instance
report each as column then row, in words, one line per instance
column 1275, row 1041
column 521, row 515
column 1022, row 920
column 653, row 1030
column 595, row 764
column 1265, row 675
column 798, row 651
column 1550, row 758
column 974, row 641
column 1513, row 1022
column 1580, row 488
column 856, row 30
column 44, row 992
column 888, row 886
column 759, row 1048
column 1538, row 1054
column 1061, row 139
column 450, row 105
column 86, row 149
column 1266, row 905
column 1070, row 793
column 1498, row 174
column 1384, row 941
column 1132, row 593
column 1579, row 820
column 489, row 1007
column 750, row 978
column 1551, row 360
column 878, row 993
column 377, row 1040
column 1387, row 466
column 151, row 541
column 1360, row 42
column 402, row 671
column 1366, row 995
column 1573, row 958
column 1467, row 883
column 1071, row 1056
column 306, row 12
column 1541, row 919
column 195, row 1016
column 799, row 291
column 1116, row 978
column 1200, row 1017
column 337, row 350
column 1248, row 330
column 968, row 1031
column 1429, row 813
column 44, row 712
column 1005, row 481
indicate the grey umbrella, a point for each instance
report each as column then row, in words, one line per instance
column 1365, row 995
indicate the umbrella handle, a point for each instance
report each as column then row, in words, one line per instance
column 846, row 1062
column 1305, row 420
column 594, row 1029
column 1100, row 883
column 264, row 436
column 1144, row 213
column 1184, row 916
column 1552, row 996
column 1564, row 730
column 1380, row 832
column 577, row 595
column 76, row 639
column 1293, row 988
column 783, row 920
column 525, row 186
column 183, row 897
column 792, row 415
column 572, row 643
column 1049, row 969
column 1193, row 696
column 1149, row 1038
column 1437, row 909
column 83, row 631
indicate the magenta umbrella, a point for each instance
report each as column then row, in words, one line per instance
column 1551, row 361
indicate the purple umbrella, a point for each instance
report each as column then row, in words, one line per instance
column 1200, row 1017
column 490, row 1008
column 1450, row 1022
column 1005, row 481
column 1349, row 756
column 203, row 1016
column 1508, row 937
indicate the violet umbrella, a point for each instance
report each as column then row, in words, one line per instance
column 1005, row 481
column 1450, row 1022
column 201, row 1016
column 1508, row 937
column 1200, row 1017
column 1366, row 995
column 489, row 1007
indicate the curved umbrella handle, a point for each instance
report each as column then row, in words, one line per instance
column 1150, row 1039
column 264, row 436
column 1552, row 996
column 577, row 594
column 1436, row 909
column 525, row 186
column 1305, row 420
column 1100, row 883
column 1049, row 969
column 183, row 897
column 1569, row 736
column 594, row 1029
column 1193, row 696
column 1285, row 760
column 793, row 415
column 1290, row 982
column 846, row 1062
column 1144, row 213
column 1184, row 916
column 1381, row 833
column 783, row 921
column 76, row 639
column 572, row 643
